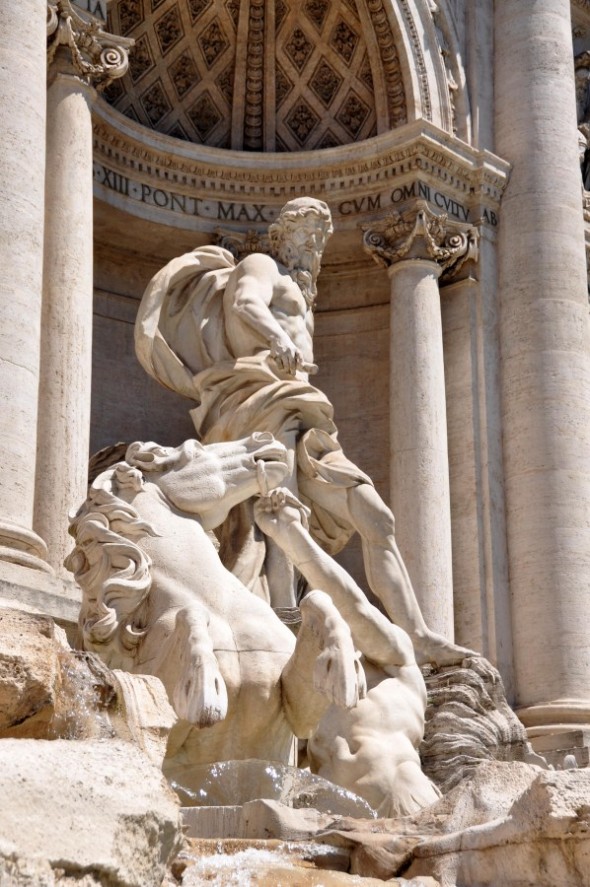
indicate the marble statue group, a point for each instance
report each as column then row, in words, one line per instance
column 188, row 556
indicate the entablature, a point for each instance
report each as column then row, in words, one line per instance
column 170, row 182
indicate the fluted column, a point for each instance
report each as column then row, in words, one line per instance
column 79, row 55
column 545, row 341
column 22, row 159
column 416, row 247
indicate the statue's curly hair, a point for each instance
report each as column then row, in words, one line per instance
column 297, row 209
column 112, row 570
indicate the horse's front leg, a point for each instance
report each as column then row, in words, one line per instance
column 199, row 694
column 324, row 667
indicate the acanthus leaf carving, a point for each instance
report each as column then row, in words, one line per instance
column 420, row 233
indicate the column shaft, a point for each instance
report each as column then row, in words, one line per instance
column 66, row 345
column 544, row 334
column 419, row 458
column 22, row 152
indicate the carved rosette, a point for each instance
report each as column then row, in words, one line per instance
column 96, row 56
column 420, row 233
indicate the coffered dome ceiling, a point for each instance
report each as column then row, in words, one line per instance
column 260, row 75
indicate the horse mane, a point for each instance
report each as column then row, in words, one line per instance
column 108, row 564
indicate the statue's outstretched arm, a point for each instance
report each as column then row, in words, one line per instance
column 279, row 515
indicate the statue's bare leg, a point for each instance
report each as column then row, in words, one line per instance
column 323, row 669
column 386, row 573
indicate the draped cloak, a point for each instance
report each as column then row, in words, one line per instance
column 181, row 342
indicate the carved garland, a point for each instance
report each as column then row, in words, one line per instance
column 96, row 55
column 253, row 127
column 394, row 85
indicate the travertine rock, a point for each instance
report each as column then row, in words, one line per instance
column 287, row 865
column 30, row 672
column 468, row 720
column 99, row 810
column 544, row 839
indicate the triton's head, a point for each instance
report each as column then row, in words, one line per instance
column 299, row 235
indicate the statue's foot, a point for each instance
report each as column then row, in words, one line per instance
column 338, row 673
column 430, row 647
column 200, row 695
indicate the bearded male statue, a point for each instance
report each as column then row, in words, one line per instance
column 237, row 337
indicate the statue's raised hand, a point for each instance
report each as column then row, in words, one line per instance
column 276, row 512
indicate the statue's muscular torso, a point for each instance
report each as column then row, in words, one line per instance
column 262, row 302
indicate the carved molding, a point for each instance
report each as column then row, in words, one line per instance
column 419, row 61
column 385, row 159
column 96, row 56
column 242, row 245
column 420, row 233
column 394, row 84
column 253, row 118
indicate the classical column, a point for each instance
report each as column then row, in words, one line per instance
column 545, row 342
column 22, row 158
column 416, row 247
column 79, row 54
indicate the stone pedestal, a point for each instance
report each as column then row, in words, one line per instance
column 22, row 155
column 545, row 340
column 415, row 247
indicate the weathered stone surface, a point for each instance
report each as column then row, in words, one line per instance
column 100, row 810
column 543, row 839
column 30, row 672
column 468, row 721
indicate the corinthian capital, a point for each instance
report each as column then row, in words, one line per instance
column 96, row 56
column 420, row 233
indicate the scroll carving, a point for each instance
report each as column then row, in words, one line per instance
column 96, row 56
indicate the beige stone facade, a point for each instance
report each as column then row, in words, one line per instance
column 452, row 320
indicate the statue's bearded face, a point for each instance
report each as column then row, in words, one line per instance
column 303, row 243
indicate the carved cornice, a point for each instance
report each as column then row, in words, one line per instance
column 96, row 56
column 420, row 233
column 152, row 176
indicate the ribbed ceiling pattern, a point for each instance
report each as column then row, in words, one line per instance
column 259, row 75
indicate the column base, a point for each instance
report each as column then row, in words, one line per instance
column 558, row 716
column 19, row 545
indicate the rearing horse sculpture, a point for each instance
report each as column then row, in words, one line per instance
column 158, row 600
